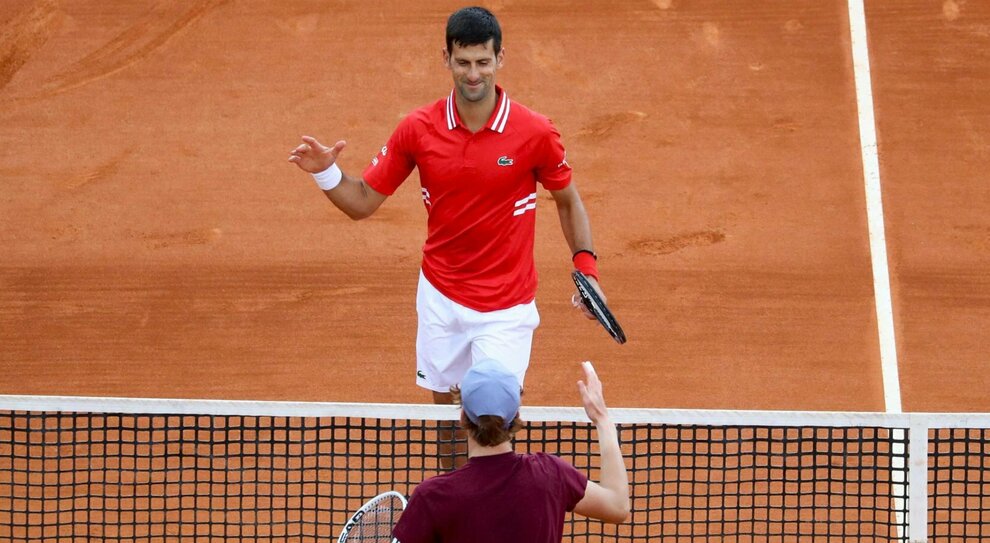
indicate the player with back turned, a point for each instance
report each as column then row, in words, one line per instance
column 480, row 157
column 501, row 495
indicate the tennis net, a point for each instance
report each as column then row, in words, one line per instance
column 113, row 469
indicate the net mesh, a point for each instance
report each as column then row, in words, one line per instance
column 159, row 477
column 959, row 484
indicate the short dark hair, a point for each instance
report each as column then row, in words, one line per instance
column 473, row 26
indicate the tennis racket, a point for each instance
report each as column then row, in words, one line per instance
column 597, row 307
column 373, row 522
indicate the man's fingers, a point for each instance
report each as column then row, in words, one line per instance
column 590, row 376
column 587, row 398
column 598, row 289
column 591, row 393
column 311, row 155
column 594, row 384
column 589, row 371
column 578, row 303
column 336, row 149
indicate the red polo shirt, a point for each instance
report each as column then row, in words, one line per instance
column 480, row 196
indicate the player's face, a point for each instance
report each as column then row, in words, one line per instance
column 473, row 68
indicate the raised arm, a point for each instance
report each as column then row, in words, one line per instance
column 607, row 500
column 351, row 195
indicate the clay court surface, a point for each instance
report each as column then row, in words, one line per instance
column 154, row 241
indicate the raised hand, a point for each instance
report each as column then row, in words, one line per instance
column 591, row 394
column 314, row 157
column 608, row 499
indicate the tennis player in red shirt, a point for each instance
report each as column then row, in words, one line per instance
column 480, row 157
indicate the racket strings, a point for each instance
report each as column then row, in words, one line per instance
column 597, row 307
column 376, row 523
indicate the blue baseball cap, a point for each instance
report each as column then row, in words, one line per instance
column 488, row 389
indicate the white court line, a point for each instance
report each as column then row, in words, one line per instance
column 913, row 496
column 874, row 208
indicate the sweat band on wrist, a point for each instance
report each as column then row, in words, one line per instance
column 329, row 178
column 585, row 261
column 589, row 251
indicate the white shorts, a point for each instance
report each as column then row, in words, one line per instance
column 451, row 337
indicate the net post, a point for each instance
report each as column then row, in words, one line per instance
column 898, row 480
column 918, row 480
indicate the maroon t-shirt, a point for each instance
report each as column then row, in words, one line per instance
column 500, row 498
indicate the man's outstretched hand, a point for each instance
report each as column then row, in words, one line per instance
column 314, row 157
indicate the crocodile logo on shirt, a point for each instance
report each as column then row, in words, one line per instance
column 504, row 161
column 420, row 374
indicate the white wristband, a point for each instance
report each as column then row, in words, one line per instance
column 329, row 178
